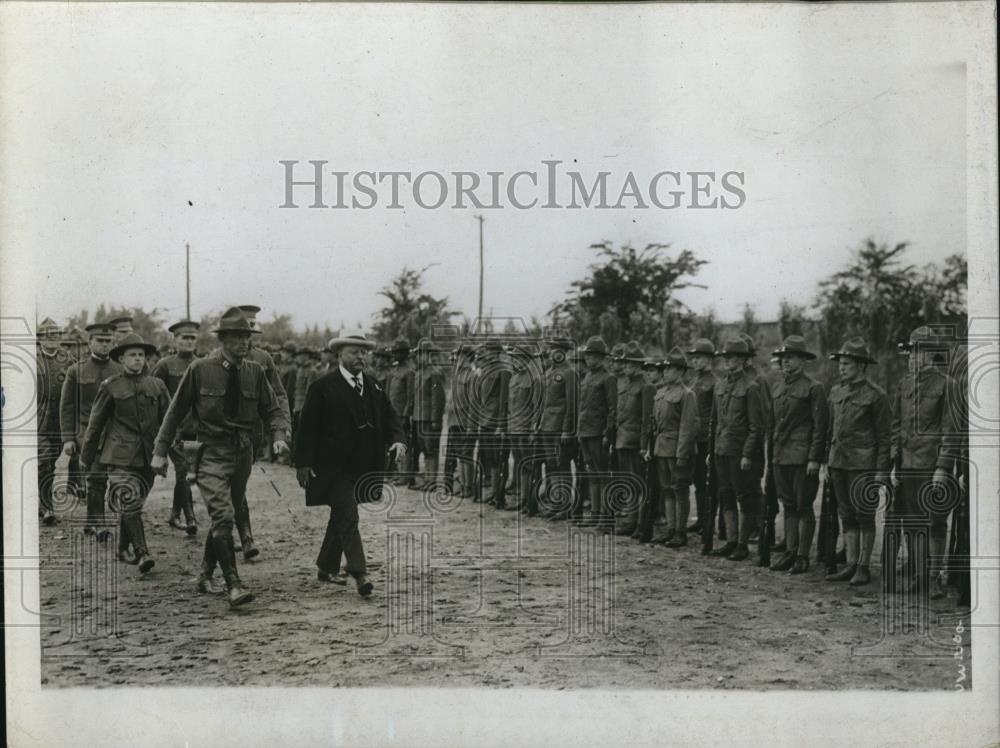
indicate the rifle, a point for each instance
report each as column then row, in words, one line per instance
column 768, row 511
column 826, row 547
column 712, row 488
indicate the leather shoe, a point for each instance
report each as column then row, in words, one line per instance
column 207, row 585
column 250, row 550
column 365, row 588
column 324, row 576
column 844, row 575
column 861, row 577
column 175, row 521
column 801, row 565
column 145, row 563
column 126, row 557
column 679, row 541
column 725, row 550
column 786, row 562
column 238, row 594
column 192, row 527
column 740, row 554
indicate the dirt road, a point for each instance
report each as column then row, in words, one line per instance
column 467, row 595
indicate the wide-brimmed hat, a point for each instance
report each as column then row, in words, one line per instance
column 702, row 346
column 383, row 351
column 735, row 347
column 920, row 337
column 400, row 345
column 617, row 351
column 596, row 345
column 633, row 353
column 235, row 321
column 249, row 308
column 652, row 363
column 794, row 344
column 356, row 338
column 675, row 358
column 751, row 343
column 132, row 340
column 185, row 325
column 98, row 328
column 855, row 348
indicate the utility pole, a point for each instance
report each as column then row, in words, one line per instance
column 187, row 281
column 481, row 220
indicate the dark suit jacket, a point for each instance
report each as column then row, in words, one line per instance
column 332, row 439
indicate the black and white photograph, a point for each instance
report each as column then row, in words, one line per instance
column 391, row 374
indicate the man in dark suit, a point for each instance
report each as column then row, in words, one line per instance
column 346, row 425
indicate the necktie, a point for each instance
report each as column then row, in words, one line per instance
column 357, row 385
column 232, row 401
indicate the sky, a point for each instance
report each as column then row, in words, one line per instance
column 132, row 130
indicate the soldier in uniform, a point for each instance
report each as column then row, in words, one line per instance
column 524, row 398
column 401, row 397
column 77, row 399
column 126, row 415
column 51, row 363
column 461, row 420
column 227, row 394
column 428, row 410
column 701, row 380
column 737, row 425
column 627, row 427
column 490, row 406
column 262, row 357
column 925, row 444
column 305, row 373
column 382, row 356
column 596, row 426
column 767, row 501
column 859, row 439
column 675, row 432
column 653, row 508
column 171, row 371
column 122, row 326
column 799, row 415
column 556, row 431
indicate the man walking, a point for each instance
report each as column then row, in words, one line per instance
column 171, row 371
column 51, row 363
column 126, row 415
column 347, row 423
column 227, row 394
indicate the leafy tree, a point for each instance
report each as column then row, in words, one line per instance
column 410, row 311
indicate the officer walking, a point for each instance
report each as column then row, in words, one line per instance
column 799, row 415
column 859, row 439
column 227, row 393
column 126, row 415
column 76, row 402
column 170, row 371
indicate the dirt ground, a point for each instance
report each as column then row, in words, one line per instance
column 467, row 595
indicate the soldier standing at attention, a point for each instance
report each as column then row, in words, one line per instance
column 556, row 432
column 860, row 443
column 524, row 398
column 428, row 410
column 627, row 428
column 123, row 424
column 401, row 398
column 701, row 357
column 738, row 428
column 465, row 424
column 652, row 507
column 171, row 371
column 383, row 365
column 76, row 402
column 925, row 444
column 799, row 415
column 596, row 427
column 490, row 404
column 227, row 394
column 51, row 363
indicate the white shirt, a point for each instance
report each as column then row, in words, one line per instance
column 351, row 379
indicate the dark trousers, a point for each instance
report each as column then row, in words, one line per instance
column 413, row 451
column 526, row 468
column 857, row 497
column 558, row 454
column 739, row 489
column 49, row 447
column 182, row 491
column 453, row 450
column 97, row 487
column 625, row 504
column 699, row 476
column 128, row 488
column 342, row 535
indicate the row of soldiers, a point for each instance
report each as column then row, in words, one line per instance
column 614, row 430
column 630, row 435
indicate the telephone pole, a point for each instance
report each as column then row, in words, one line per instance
column 481, row 220
column 187, row 281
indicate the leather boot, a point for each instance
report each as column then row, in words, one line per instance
column 226, row 554
column 861, row 577
column 852, row 543
column 725, row 550
column 801, row 565
column 499, row 488
column 741, row 553
column 137, row 534
column 784, row 563
column 191, row 524
column 206, row 582
column 679, row 541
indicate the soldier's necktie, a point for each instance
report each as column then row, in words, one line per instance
column 232, row 401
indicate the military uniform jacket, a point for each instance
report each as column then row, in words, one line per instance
column 560, row 398
column 524, row 401
column 703, row 386
column 50, row 373
column 170, row 371
column 489, row 394
column 271, row 372
column 599, row 404
column 125, row 420
column 428, row 403
column 202, row 392
column 800, row 415
column 675, row 422
column 925, row 431
column 401, row 389
column 860, row 425
column 629, row 412
column 460, row 406
column 78, row 393
column 738, row 417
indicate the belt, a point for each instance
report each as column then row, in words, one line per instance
column 236, row 439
